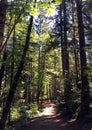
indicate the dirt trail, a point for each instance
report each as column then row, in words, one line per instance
column 49, row 120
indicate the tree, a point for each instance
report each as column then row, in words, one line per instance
column 65, row 65
column 85, row 85
column 16, row 79
column 3, row 8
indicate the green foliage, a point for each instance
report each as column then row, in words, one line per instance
column 24, row 111
column 89, row 71
column 58, row 2
column 49, row 6
column 42, row 4
column 15, row 114
column 20, row 114
column 28, row 111
column 50, row 11
column 43, row 36
column 34, row 12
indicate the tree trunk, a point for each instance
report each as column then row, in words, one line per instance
column 12, row 70
column 85, row 85
column 3, row 67
column 16, row 79
column 65, row 60
column 75, row 45
column 3, row 7
column 41, row 67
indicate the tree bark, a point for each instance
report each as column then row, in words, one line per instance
column 75, row 45
column 3, row 67
column 85, row 85
column 3, row 8
column 41, row 67
column 65, row 60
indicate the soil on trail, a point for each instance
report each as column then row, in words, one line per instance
column 49, row 120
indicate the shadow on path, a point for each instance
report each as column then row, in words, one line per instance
column 49, row 120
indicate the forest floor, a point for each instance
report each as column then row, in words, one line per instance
column 49, row 120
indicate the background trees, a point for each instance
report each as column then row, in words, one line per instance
column 51, row 63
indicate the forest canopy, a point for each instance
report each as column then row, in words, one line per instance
column 45, row 55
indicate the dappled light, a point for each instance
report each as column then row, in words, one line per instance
column 48, row 110
column 51, row 121
column 45, row 64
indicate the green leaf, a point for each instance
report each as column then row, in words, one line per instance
column 34, row 12
column 50, row 11
column 53, row 5
column 58, row 2
column 27, row 8
column 50, row 0
column 42, row 4
column 45, row 4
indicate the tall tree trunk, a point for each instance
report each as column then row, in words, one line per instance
column 54, row 80
column 39, row 64
column 41, row 67
column 75, row 44
column 12, row 70
column 3, row 67
column 65, row 60
column 16, row 79
column 85, row 85
column 3, row 7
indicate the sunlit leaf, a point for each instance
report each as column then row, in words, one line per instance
column 50, row 11
column 53, row 5
column 58, row 2
column 34, row 12
column 40, row 5
column 50, row 0
column 45, row 4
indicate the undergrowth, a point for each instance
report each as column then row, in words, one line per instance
column 20, row 116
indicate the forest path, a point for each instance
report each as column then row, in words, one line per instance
column 49, row 120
